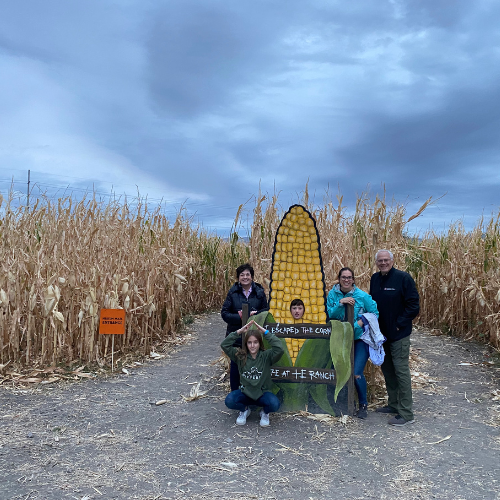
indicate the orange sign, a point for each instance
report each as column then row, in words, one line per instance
column 112, row 321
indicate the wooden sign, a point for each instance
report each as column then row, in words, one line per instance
column 112, row 322
column 299, row 331
column 302, row 375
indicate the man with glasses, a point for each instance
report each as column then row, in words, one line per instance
column 397, row 300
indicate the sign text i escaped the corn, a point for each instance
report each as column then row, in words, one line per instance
column 299, row 331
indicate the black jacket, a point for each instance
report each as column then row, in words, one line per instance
column 235, row 299
column 397, row 301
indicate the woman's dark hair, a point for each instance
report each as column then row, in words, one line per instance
column 346, row 269
column 244, row 267
column 297, row 302
column 242, row 352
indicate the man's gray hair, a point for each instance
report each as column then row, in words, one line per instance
column 388, row 251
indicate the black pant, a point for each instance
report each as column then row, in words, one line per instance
column 396, row 370
column 234, row 376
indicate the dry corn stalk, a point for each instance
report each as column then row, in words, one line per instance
column 63, row 262
column 131, row 254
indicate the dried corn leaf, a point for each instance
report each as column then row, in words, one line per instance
column 195, row 393
column 441, row 440
column 83, row 375
column 50, row 380
column 30, row 380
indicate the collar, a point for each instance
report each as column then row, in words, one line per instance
column 337, row 288
column 252, row 286
column 385, row 276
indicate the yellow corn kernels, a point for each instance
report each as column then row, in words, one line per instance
column 297, row 273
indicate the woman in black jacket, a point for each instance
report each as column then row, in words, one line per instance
column 244, row 291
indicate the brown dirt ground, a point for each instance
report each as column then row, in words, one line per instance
column 103, row 438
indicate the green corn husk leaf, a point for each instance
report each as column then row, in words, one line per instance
column 295, row 396
column 266, row 317
column 315, row 354
column 341, row 341
column 319, row 392
column 275, row 389
column 261, row 318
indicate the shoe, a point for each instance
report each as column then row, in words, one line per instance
column 362, row 411
column 386, row 409
column 264, row 419
column 242, row 417
column 399, row 421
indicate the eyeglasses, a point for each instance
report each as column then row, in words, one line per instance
column 346, row 278
column 383, row 261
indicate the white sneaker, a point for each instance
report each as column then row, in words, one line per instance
column 242, row 418
column 264, row 419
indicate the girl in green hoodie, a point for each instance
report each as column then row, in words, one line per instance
column 254, row 365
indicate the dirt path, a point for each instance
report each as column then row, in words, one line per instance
column 103, row 438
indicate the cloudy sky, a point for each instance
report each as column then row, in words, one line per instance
column 199, row 101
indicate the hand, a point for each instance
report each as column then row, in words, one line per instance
column 347, row 300
column 253, row 312
column 240, row 314
column 245, row 328
column 262, row 330
column 360, row 323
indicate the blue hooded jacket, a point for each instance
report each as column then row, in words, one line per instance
column 362, row 303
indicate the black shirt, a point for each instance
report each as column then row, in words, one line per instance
column 397, row 300
column 235, row 299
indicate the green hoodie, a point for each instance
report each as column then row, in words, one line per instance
column 255, row 374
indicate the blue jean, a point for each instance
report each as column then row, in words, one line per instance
column 236, row 400
column 361, row 355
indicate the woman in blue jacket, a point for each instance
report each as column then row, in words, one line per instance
column 346, row 292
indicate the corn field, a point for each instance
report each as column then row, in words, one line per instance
column 457, row 272
column 62, row 262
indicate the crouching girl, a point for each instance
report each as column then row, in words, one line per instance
column 254, row 365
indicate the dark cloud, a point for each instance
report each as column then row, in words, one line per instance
column 201, row 100
column 200, row 53
column 462, row 130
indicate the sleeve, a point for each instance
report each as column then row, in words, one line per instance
column 263, row 303
column 227, row 314
column 411, row 302
column 227, row 345
column 335, row 309
column 276, row 347
column 370, row 305
column 372, row 285
column 260, row 300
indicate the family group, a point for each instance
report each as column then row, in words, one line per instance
column 389, row 307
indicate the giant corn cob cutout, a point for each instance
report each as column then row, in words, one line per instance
column 297, row 273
